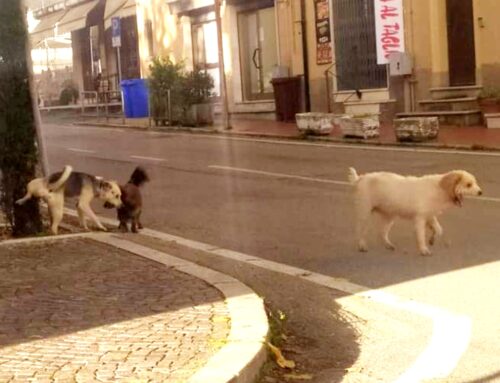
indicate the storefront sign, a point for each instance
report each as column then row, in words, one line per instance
column 323, row 32
column 389, row 26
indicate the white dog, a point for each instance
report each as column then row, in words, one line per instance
column 84, row 187
column 420, row 199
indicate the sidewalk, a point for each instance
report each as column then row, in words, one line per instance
column 471, row 137
column 79, row 310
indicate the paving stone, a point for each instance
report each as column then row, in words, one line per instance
column 77, row 311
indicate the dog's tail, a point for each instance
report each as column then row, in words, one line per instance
column 57, row 183
column 353, row 176
column 139, row 177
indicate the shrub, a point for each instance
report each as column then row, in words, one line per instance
column 69, row 94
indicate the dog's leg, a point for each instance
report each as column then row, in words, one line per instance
column 363, row 213
column 21, row 201
column 420, row 224
column 436, row 230
column 133, row 226
column 85, row 206
column 139, row 223
column 81, row 217
column 387, row 223
column 56, row 211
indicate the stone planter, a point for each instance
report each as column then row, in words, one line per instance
column 492, row 120
column 200, row 115
column 314, row 123
column 360, row 126
column 416, row 129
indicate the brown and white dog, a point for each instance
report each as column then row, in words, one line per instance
column 420, row 199
column 131, row 208
column 85, row 187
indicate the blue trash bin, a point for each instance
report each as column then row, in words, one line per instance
column 135, row 98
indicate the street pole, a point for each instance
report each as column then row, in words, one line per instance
column 42, row 151
column 222, row 72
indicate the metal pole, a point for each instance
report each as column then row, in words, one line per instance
column 42, row 152
column 222, row 71
column 120, row 82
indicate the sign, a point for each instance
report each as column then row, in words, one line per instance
column 116, row 32
column 324, row 50
column 389, row 28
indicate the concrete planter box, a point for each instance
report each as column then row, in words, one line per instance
column 416, row 129
column 360, row 126
column 315, row 123
column 492, row 120
column 200, row 115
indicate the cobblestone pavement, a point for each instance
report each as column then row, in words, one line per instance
column 78, row 311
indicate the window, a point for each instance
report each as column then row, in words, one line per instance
column 206, row 50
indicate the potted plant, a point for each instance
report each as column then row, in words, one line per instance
column 197, row 89
column 165, row 76
column 69, row 94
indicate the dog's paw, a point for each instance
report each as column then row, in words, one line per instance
column 390, row 246
column 425, row 252
column 102, row 228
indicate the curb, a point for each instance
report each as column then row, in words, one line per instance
column 349, row 141
column 241, row 358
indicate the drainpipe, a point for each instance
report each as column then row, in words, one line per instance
column 222, row 71
column 305, row 57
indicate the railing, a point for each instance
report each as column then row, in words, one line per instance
column 329, row 76
column 100, row 100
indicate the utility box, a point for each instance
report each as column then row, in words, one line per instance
column 400, row 64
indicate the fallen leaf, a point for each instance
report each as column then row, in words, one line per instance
column 280, row 359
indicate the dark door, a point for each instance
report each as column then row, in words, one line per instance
column 461, row 49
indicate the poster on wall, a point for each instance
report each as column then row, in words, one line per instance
column 389, row 28
column 323, row 35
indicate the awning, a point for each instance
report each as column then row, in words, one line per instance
column 75, row 18
column 118, row 8
column 46, row 27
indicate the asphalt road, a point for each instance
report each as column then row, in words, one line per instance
column 289, row 202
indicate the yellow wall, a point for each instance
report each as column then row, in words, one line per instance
column 427, row 42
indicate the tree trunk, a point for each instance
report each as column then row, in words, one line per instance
column 18, row 151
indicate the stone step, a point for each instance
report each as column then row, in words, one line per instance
column 460, row 117
column 449, row 104
column 444, row 92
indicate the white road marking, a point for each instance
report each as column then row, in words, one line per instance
column 314, row 179
column 451, row 332
column 77, row 150
column 279, row 175
column 156, row 159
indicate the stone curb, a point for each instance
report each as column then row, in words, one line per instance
column 241, row 358
column 348, row 141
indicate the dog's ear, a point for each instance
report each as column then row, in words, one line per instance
column 105, row 186
column 449, row 183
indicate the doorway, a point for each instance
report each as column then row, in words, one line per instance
column 461, row 47
column 258, row 52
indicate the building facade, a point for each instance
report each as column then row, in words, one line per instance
column 331, row 44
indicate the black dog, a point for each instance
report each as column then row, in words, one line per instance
column 131, row 197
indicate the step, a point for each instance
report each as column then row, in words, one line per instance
column 445, row 92
column 459, row 117
column 450, row 104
